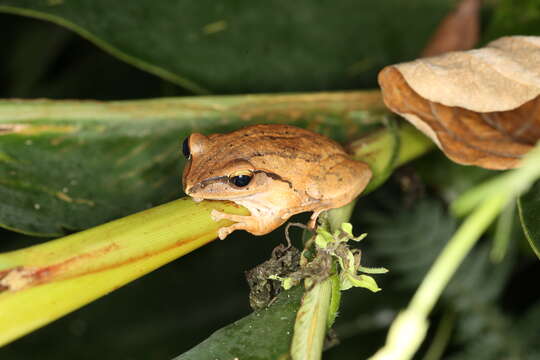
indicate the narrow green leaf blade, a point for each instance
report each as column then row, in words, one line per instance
column 529, row 214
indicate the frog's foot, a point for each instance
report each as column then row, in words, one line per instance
column 225, row 231
column 218, row 215
column 241, row 223
column 256, row 225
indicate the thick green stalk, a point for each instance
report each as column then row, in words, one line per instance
column 386, row 149
column 44, row 282
column 319, row 304
column 310, row 325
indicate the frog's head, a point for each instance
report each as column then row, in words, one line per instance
column 217, row 168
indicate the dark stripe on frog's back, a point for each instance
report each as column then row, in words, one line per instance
column 283, row 146
column 275, row 177
column 243, row 143
column 288, row 132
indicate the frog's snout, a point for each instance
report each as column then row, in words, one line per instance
column 189, row 191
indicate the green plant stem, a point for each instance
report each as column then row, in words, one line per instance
column 408, row 330
column 486, row 201
column 412, row 144
column 311, row 322
column 386, row 149
column 44, row 282
column 320, row 303
column 442, row 336
column 503, row 233
column 453, row 254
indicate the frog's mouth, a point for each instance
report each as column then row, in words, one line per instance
column 200, row 187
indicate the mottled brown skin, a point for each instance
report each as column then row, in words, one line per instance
column 293, row 170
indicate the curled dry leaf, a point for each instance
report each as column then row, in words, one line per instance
column 481, row 107
column 459, row 30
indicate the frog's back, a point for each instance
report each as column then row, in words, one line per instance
column 260, row 144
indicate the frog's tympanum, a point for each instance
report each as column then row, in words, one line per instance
column 275, row 171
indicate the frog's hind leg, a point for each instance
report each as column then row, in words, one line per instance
column 341, row 184
column 312, row 224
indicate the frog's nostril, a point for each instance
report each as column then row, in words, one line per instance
column 192, row 189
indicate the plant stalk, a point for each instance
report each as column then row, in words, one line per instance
column 44, row 282
column 409, row 328
column 320, row 303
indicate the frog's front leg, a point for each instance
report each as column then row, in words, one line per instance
column 255, row 225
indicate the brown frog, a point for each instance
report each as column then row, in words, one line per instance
column 275, row 171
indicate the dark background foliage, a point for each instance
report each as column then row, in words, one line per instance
column 493, row 307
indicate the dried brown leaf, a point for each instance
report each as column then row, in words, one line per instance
column 481, row 107
column 459, row 30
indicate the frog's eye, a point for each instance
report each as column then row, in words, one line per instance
column 185, row 148
column 241, row 178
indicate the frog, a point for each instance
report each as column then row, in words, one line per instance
column 273, row 170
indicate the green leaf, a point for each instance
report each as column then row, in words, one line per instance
column 349, row 280
column 323, row 237
column 208, row 46
column 264, row 334
column 372, row 270
column 286, row 282
column 358, row 238
column 321, row 241
column 529, row 214
column 25, row 71
column 514, row 18
column 349, row 267
column 70, row 165
column 347, row 228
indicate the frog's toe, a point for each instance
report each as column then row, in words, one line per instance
column 224, row 232
column 217, row 215
column 312, row 224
